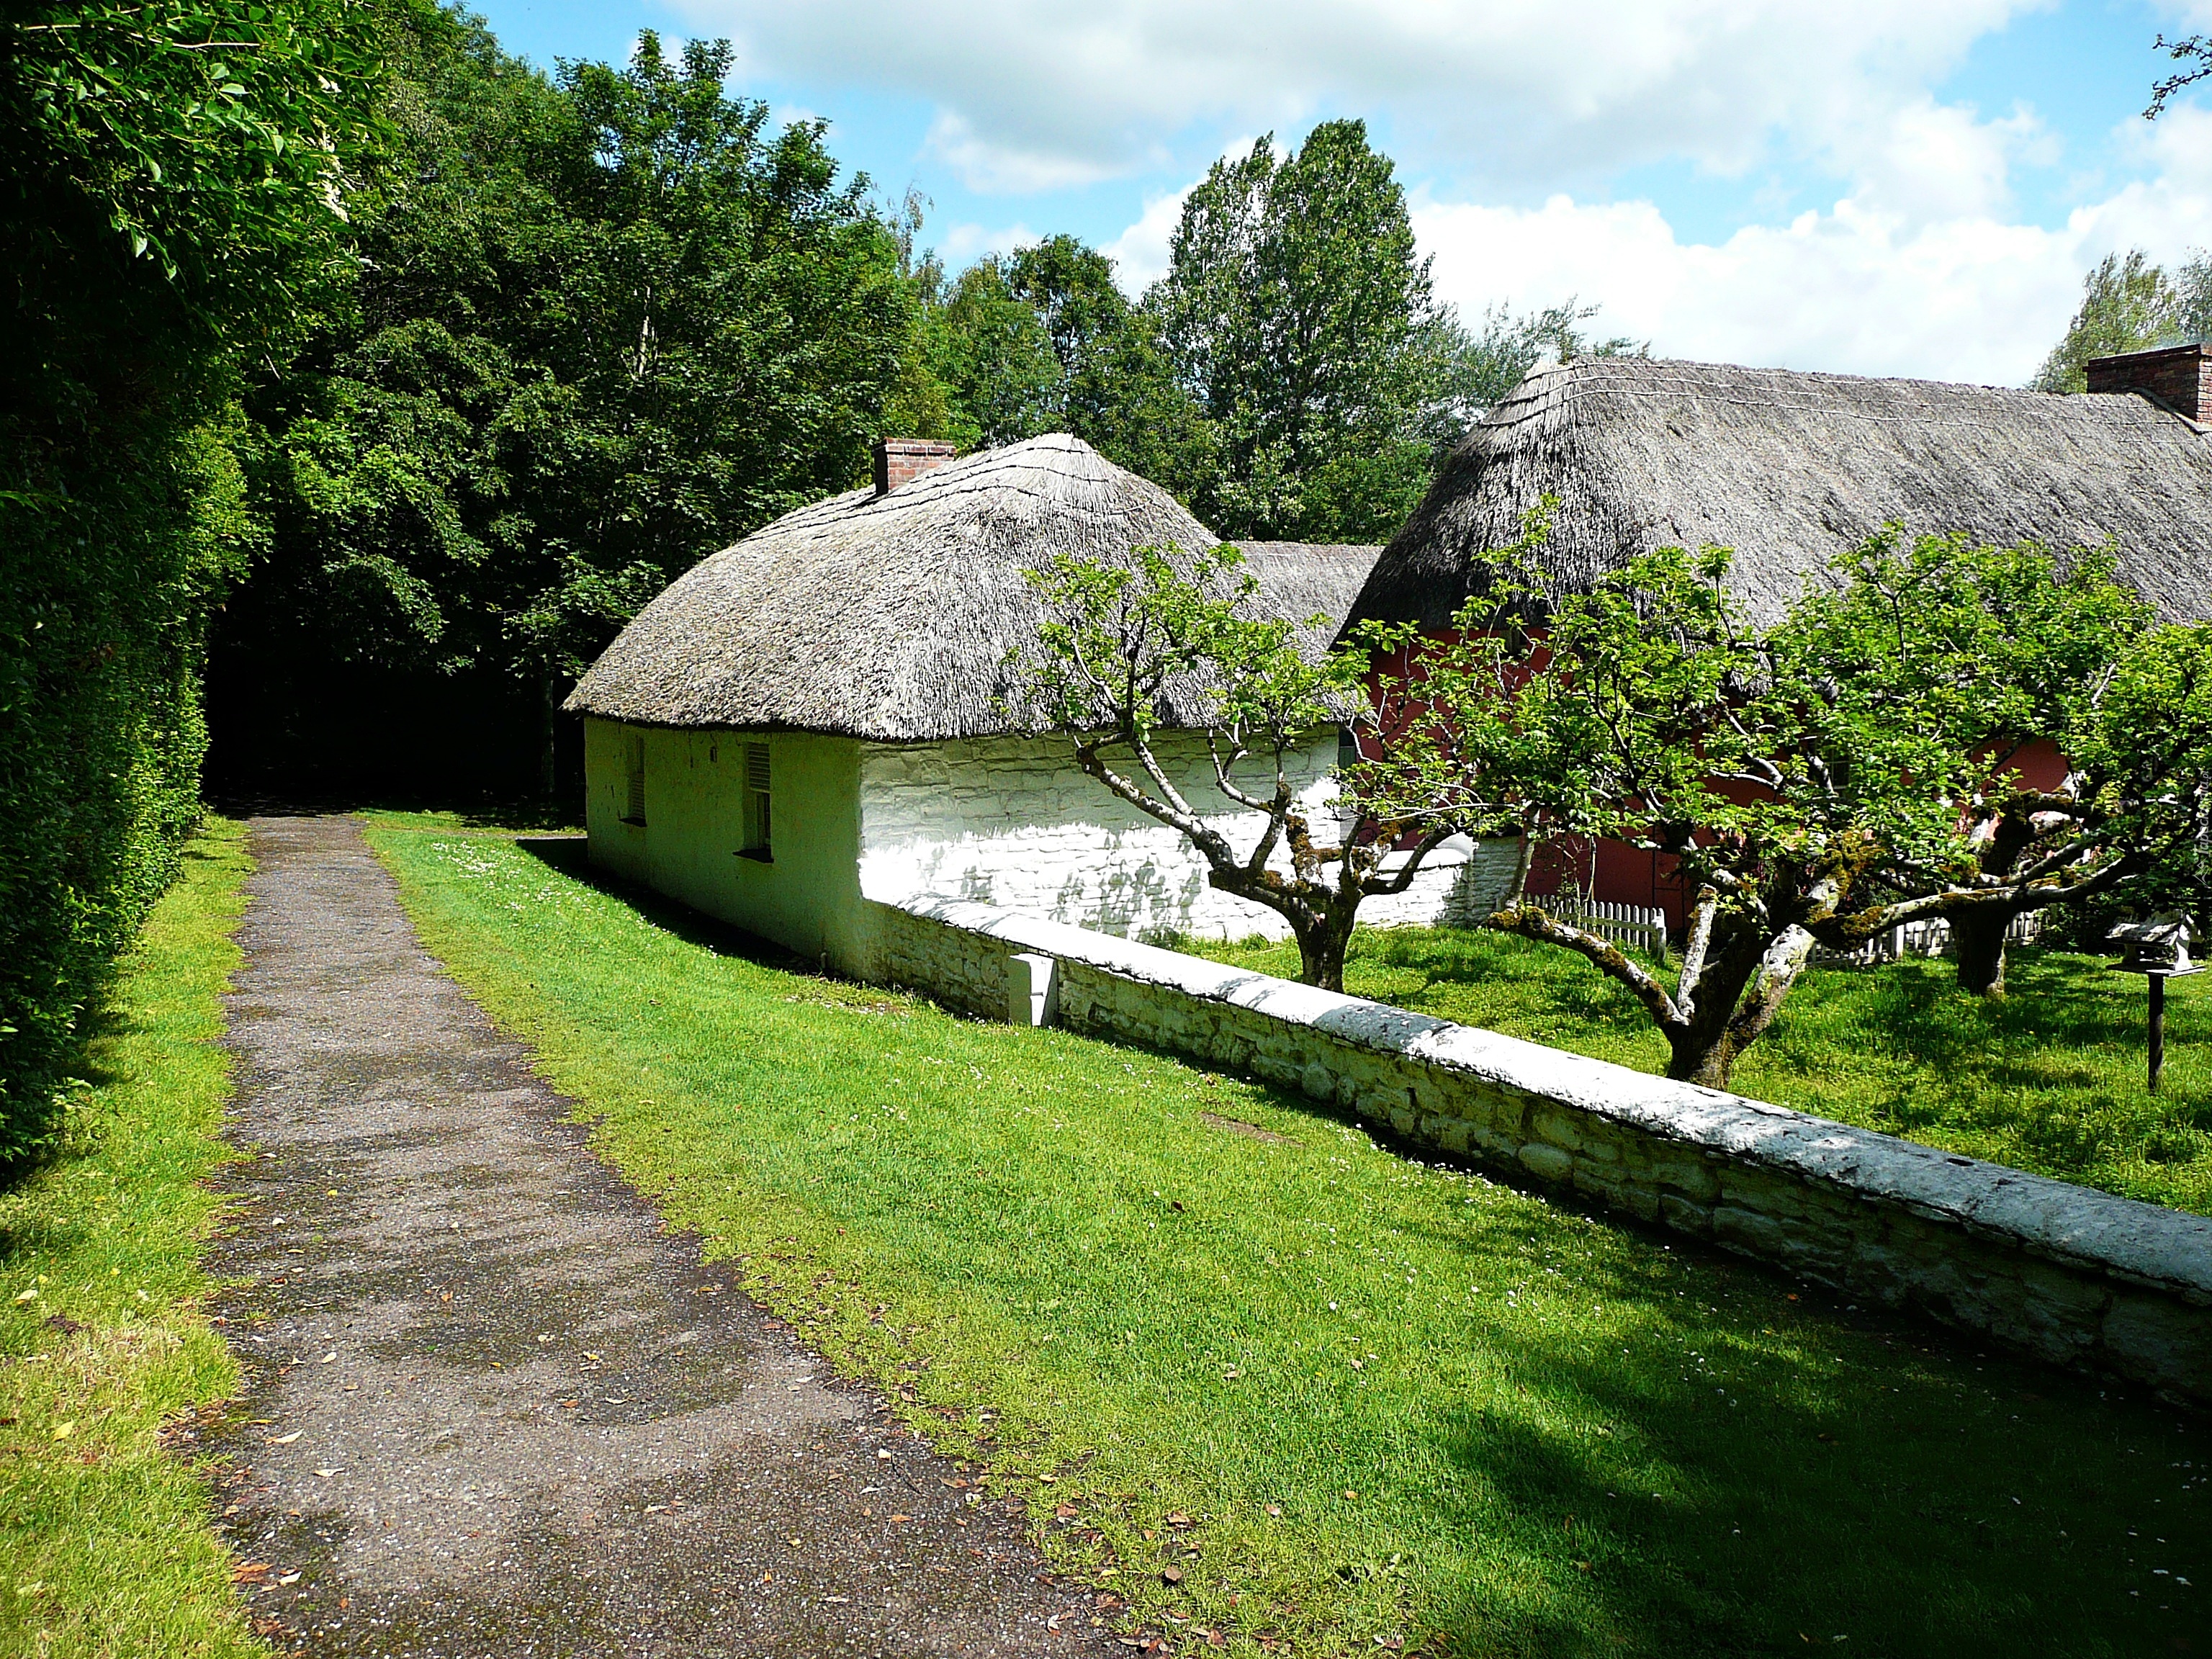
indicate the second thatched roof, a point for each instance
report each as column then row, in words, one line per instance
column 891, row 617
column 1787, row 469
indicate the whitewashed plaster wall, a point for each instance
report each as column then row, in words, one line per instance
column 1014, row 822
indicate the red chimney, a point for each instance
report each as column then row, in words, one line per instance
column 2178, row 377
column 902, row 460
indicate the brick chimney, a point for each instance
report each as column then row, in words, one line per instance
column 2178, row 377
column 902, row 460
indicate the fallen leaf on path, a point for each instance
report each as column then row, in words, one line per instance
column 286, row 1439
column 290, row 1578
column 327, row 1473
column 901, row 1517
column 249, row 1572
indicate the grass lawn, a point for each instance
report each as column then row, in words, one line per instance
column 1394, row 1401
column 2049, row 1079
column 105, row 1546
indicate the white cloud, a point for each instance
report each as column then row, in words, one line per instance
column 1502, row 92
column 1883, row 282
column 963, row 245
column 1140, row 253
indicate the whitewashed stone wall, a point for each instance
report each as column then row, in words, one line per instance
column 2068, row 1273
column 1012, row 822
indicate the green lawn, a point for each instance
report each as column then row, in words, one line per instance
column 104, row 1544
column 2049, row 1079
column 1393, row 1400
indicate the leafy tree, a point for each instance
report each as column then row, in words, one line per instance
column 1298, row 314
column 2127, row 305
column 599, row 326
column 1120, row 638
column 1117, row 389
column 988, row 349
column 172, row 178
column 1849, row 770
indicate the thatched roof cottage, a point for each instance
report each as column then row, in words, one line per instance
column 812, row 721
column 1789, row 469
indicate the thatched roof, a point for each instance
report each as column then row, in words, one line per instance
column 1300, row 580
column 1790, row 468
column 891, row 617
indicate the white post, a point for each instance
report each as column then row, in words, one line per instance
column 1032, row 989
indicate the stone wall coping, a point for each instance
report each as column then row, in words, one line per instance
column 2145, row 1243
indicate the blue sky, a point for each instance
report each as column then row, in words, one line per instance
column 1888, row 186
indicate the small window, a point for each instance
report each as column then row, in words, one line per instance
column 756, row 827
column 633, row 778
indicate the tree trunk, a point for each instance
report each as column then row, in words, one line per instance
column 549, row 726
column 1321, row 946
column 1701, row 1057
column 1979, row 937
column 1703, row 1050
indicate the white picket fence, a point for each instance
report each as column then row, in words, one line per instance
column 1931, row 938
column 1639, row 925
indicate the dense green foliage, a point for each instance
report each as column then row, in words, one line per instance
column 2050, row 1078
column 2129, row 304
column 596, row 327
column 104, row 1341
column 171, row 179
column 1393, row 1399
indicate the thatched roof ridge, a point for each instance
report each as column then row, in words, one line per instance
column 890, row 616
column 1789, row 468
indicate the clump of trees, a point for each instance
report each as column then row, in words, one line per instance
column 1859, row 764
column 2129, row 304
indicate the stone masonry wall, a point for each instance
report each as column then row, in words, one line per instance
column 2071, row 1274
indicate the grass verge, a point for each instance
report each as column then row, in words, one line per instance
column 105, row 1546
column 1394, row 1403
column 2050, row 1079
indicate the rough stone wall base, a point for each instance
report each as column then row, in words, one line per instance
column 2068, row 1273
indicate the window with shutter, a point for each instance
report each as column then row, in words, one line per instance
column 633, row 778
column 756, row 827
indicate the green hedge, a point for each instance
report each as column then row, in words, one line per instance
column 171, row 176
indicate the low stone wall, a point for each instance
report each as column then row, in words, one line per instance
column 2069, row 1274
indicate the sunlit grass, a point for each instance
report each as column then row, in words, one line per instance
column 1393, row 1399
column 105, row 1543
column 2052, row 1079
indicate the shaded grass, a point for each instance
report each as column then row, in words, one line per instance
column 1394, row 1400
column 2052, row 1079
column 104, row 1544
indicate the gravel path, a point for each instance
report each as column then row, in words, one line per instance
column 494, row 1411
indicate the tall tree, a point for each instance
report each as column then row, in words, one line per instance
column 2127, row 305
column 1301, row 317
column 601, row 325
column 172, row 178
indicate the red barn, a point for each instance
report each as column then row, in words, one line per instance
column 1789, row 469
